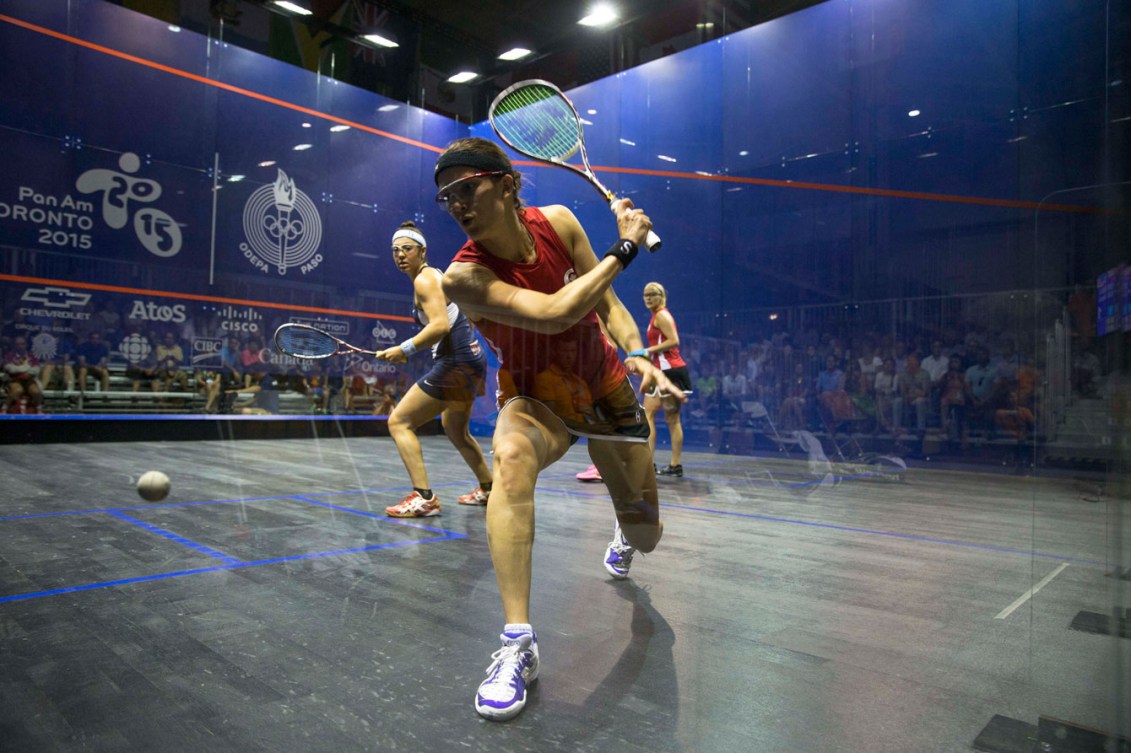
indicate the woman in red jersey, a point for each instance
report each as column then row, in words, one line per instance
column 663, row 348
column 529, row 280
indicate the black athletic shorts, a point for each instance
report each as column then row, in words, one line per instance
column 678, row 376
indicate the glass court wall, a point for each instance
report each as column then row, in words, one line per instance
column 857, row 182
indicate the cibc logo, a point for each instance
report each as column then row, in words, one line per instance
column 206, row 351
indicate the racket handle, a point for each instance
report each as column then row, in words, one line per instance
column 653, row 241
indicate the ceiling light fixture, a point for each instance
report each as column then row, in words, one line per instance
column 599, row 15
column 380, row 38
column 462, row 77
column 298, row 7
column 515, row 53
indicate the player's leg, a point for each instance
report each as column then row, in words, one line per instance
column 675, row 430
column 456, row 420
column 411, row 412
column 631, row 480
column 528, row 437
column 652, row 405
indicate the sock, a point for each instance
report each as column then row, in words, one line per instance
column 486, row 487
column 517, row 628
column 426, row 493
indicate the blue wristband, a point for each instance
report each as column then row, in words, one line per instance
column 408, row 348
column 638, row 352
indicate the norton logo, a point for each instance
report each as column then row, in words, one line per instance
column 282, row 227
column 56, row 298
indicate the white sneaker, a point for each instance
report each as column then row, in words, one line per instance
column 514, row 666
column 618, row 557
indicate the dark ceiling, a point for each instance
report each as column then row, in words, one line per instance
column 438, row 37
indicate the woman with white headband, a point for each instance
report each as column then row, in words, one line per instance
column 457, row 377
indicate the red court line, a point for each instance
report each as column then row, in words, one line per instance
column 198, row 297
column 890, row 193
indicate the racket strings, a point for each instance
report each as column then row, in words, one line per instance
column 299, row 341
column 536, row 120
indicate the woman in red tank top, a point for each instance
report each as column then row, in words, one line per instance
column 529, row 280
column 663, row 348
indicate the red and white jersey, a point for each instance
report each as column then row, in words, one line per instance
column 667, row 359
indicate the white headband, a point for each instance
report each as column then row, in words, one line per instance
column 411, row 234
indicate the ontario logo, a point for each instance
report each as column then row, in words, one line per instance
column 282, row 228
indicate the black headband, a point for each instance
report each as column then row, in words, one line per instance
column 465, row 158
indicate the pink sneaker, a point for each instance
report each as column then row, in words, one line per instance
column 590, row 474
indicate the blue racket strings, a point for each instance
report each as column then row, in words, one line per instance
column 537, row 121
column 305, row 342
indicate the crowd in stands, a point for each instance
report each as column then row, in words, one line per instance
column 952, row 382
column 963, row 381
column 83, row 365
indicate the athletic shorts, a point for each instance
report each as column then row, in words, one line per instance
column 617, row 417
column 455, row 381
column 677, row 376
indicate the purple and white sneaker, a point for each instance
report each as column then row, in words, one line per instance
column 514, row 666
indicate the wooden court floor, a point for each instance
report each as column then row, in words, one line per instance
column 269, row 605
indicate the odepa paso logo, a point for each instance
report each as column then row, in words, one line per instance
column 282, row 227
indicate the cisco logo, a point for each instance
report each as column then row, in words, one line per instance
column 240, row 320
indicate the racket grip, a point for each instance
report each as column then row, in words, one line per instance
column 653, row 241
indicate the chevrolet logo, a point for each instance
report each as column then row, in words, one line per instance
column 56, row 298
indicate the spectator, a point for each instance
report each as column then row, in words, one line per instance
column 22, row 368
column 93, row 358
column 264, row 391
column 170, row 364
column 794, row 411
column 915, row 390
column 889, row 398
column 55, row 354
column 953, row 401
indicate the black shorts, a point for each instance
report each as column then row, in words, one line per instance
column 678, row 376
column 455, row 381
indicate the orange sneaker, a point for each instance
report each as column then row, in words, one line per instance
column 414, row 506
column 477, row 497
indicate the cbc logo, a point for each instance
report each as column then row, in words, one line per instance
column 383, row 333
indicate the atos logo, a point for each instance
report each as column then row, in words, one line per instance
column 148, row 311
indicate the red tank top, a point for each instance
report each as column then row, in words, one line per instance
column 667, row 359
column 523, row 354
